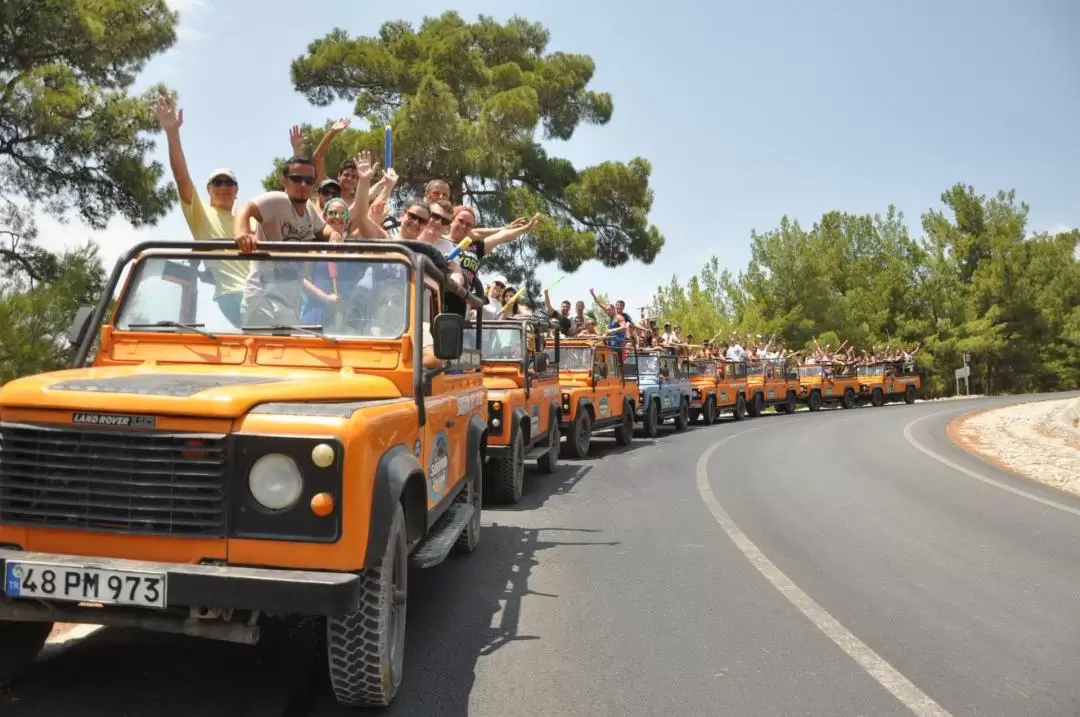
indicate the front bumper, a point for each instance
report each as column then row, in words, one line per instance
column 298, row 592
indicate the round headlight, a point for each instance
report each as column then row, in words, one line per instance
column 275, row 481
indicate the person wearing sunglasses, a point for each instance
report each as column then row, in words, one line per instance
column 284, row 216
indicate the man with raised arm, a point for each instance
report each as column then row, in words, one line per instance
column 272, row 294
column 206, row 221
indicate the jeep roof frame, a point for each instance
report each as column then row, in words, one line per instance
column 424, row 260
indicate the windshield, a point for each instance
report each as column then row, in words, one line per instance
column 755, row 369
column 644, row 365
column 503, row 343
column 706, row 368
column 344, row 296
column 576, row 358
column 871, row 370
column 810, row 371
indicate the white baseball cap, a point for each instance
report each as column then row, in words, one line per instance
column 222, row 172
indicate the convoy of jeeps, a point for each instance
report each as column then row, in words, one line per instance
column 197, row 474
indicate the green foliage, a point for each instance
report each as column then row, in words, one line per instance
column 71, row 141
column 36, row 315
column 467, row 102
column 975, row 283
column 68, row 129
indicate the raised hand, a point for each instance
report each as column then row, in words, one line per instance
column 341, row 125
column 167, row 115
column 296, row 139
column 365, row 168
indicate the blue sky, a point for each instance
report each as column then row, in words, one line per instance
column 747, row 111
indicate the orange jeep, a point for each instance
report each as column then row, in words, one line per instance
column 771, row 383
column 705, row 384
column 871, row 384
column 523, row 403
column 596, row 397
column 900, row 381
column 821, row 385
column 202, row 476
column 731, row 388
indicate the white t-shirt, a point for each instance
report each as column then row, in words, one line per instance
column 280, row 222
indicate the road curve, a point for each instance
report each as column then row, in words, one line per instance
column 613, row 590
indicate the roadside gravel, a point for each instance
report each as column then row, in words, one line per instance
column 1040, row 440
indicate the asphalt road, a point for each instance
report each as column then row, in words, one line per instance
column 645, row 582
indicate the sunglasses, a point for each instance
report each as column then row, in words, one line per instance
column 442, row 219
column 221, row 182
column 417, row 217
column 302, row 179
column 330, row 192
column 337, row 213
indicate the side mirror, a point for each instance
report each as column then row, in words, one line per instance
column 447, row 331
column 540, row 361
column 77, row 331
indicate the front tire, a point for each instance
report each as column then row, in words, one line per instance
column 710, row 411
column 652, row 420
column 366, row 648
column 682, row 418
column 815, row 401
column 580, row 438
column 625, row 435
column 472, row 494
column 909, row 395
column 507, row 472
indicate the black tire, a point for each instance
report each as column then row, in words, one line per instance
column 549, row 462
column 849, row 399
column 624, row 435
column 877, row 397
column 472, row 493
column 20, row 643
column 710, row 411
column 814, row 401
column 909, row 395
column 789, row 405
column 365, row 649
column 757, row 405
column 506, row 472
column 652, row 420
column 580, row 438
column 682, row 418
column 740, row 408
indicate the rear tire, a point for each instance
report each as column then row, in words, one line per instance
column 909, row 395
column 20, row 643
column 507, row 473
column 472, row 494
column 366, row 649
column 877, row 397
column 740, row 408
column 652, row 420
column 849, row 398
column 625, row 433
column 815, row 401
column 549, row 462
column 682, row 418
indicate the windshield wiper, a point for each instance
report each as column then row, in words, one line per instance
column 193, row 328
column 310, row 330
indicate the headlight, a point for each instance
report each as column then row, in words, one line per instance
column 275, row 481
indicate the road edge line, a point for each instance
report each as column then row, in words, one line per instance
column 910, row 438
column 900, row 687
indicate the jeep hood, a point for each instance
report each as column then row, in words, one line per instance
column 187, row 390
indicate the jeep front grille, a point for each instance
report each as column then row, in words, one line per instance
column 116, row 481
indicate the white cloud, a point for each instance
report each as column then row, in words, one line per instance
column 118, row 236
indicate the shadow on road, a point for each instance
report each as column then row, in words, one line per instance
column 125, row 673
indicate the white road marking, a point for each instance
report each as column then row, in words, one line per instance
column 979, row 476
column 873, row 664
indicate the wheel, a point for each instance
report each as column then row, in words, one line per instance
column 815, row 401
column 849, row 398
column 682, row 418
column 877, row 397
column 710, row 411
column 20, row 643
column 365, row 649
column 506, row 472
column 549, row 462
column 909, row 395
column 580, row 437
column 473, row 494
column 740, row 408
column 652, row 420
column 789, row 406
column 625, row 433
column 757, row 405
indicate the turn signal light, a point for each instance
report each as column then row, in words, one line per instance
column 322, row 504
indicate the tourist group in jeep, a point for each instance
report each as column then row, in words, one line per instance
column 284, row 415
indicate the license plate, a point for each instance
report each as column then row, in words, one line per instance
column 45, row 581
